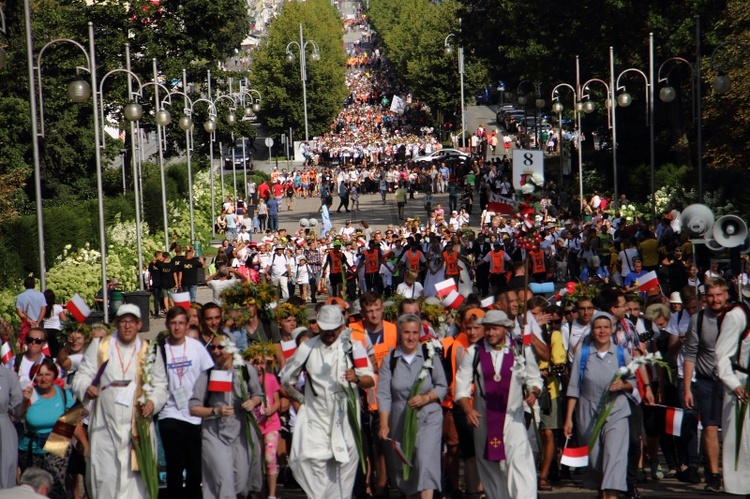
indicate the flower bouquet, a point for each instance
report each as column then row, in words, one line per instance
column 607, row 403
column 141, row 440
column 239, row 365
column 410, row 415
column 352, row 408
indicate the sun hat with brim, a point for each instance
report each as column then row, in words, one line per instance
column 496, row 318
column 330, row 317
column 129, row 309
column 296, row 332
column 675, row 297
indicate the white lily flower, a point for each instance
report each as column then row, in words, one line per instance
column 624, row 371
column 423, row 373
column 142, row 400
column 147, row 388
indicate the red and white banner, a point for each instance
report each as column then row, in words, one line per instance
column 288, row 348
column 360, row 355
column 6, row 353
column 453, row 301
column 674, row 421
column 488, row 302
column 78, row 308
column 220, row 381
column 575, row 457
column 445, row 287
column 181, row 299
column 648, row 281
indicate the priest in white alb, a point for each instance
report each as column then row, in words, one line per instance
column 324, row 456
column 111, row 374
column 500, row 374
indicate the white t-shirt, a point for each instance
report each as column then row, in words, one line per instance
column 54, row 320
column 572, row 336
column 407, row 291
column 184, row 363
column 217, row 286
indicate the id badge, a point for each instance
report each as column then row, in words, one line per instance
column 181, row 397
column 125, row 395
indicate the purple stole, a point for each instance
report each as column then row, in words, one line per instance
column 496, row 401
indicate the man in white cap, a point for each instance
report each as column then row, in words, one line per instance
column 324, row 456
column 111, row 374
column 504, row 378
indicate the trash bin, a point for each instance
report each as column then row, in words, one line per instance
column 115, row 300
column 198, row 250
column 95, row 317
column 142, row 299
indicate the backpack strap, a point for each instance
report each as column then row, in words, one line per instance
column 161, row 347
column 620, row 356
column 475, row 371
column 392, row 361
column 585, row 351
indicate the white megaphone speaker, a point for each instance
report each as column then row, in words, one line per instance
column 697, row 220
column 730, row 231
column 304, row 223
column 745, row 246
column 313, row 222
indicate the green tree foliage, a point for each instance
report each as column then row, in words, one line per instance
column 280, row 82
column 413, row 34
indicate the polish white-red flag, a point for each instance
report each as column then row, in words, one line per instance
column 220, row 381
column 181, row 299
column 46, row 351
column 78, row 308
column 445, row 287
column 488, row 302
column 674, row 421
column 575, row 457
column 648, row 281
column 359, row 354
column 6, row 353
column 453, row 300
column 288, row 348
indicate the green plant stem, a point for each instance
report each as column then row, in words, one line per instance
column 409, row 438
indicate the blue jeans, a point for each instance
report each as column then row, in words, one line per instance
column 192, row 290
column 273, row 222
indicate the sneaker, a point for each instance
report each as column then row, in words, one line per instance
column 656, row 472
column 633, row 493
column 713, row 483
column 693, row 476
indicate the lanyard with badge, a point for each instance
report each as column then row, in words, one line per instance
column 181, row 394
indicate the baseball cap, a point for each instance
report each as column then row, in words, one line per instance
column 129, row 309
column 330, row 317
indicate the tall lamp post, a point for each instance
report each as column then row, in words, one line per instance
column 557, row 107
column 448, row 51
column 315, row 56
column 587, row 106
column 624, row 100
column 78, row 91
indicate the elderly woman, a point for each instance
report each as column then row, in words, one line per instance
column 594, row 366
column 44, row 404
column 397, row 375
column 231, row 467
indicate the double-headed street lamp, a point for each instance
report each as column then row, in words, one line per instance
column 78, row 91
column 448, row 51
column 587, row 106
column 315, row 56
column 557, row 107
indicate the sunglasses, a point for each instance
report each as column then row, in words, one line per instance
column 211, row 348
column 37, row 341
column 568, row 312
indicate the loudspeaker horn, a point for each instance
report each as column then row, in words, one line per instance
column 304, row 223
column 713, row 244
column 697, row 220
column 313, row 222
column 730, row 231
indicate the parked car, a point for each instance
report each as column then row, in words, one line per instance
column 446, row 155
column 239, row 161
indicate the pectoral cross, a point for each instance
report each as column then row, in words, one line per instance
column 495, row 442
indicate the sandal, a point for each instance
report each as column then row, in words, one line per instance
column 671, row 474
column 544, row 485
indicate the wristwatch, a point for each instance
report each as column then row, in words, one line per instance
column 213, row 412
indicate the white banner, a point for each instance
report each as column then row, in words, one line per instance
column 528, row 169
column 398, row 105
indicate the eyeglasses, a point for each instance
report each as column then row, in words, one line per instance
column 127, row 322
column 211, row 348
column 37, row 341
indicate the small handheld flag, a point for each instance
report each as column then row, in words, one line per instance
column 220, row 381
column 453, row 300
column 6, row 353
column 674, row 421
column 399, row 452
column 288, row 348
column 445, row 287
column 78, row 308
column 575, row 457
column 360, row 355
column 181, row 300
column 648, row 281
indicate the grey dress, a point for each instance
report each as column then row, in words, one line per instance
column 393, row 395
column 230, row 467
column 608, row 459
column 10, row 399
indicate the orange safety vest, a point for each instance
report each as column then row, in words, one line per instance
column 413, row 259
column 537, row 262
column 372, row 261
column 390, row 341
column 460, row 345
column 335, row 263
column 451, row 263
column 498, row 262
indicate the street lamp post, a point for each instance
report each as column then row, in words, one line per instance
column 78, row 91
column 315, row 56
column 588, row 107
column 448, row 51
column 557, row 107
column 624, row 100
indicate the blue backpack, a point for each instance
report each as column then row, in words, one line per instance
column 586, row 350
